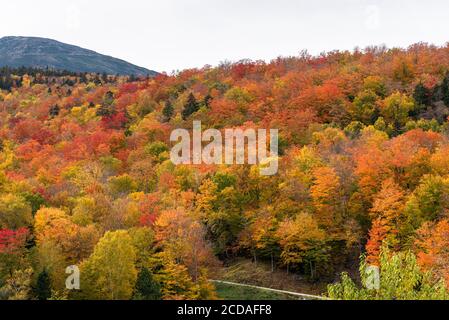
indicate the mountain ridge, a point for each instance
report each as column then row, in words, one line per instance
column 18, row 51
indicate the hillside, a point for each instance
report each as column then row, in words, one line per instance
column 86, row 179
column 41, row 52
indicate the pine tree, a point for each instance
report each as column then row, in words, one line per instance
column 190, row 107
column 445, row 90
column 108, row 108
column 207, row 100
column 54, row 111
column 422, row 95
column 43, row 286
column 168, row 111
column 146, row 287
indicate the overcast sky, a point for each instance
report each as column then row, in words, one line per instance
column 166, row 35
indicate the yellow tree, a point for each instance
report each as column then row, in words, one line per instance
column 326, row 197
column 302, row 242
column 110, row 272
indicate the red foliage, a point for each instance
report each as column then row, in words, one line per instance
column 115, row 121
column 13, row 240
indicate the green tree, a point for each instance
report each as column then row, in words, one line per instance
column 110, row 272
column 15, row 212
column 396, row 109
column 422, row 95
column 43, row 286
column 168, row 111
column 146, row 287
column 190, row 107
column 122, row 185
column 428, row 202
column 365, row 107
column 400, row 279
column 445, row 90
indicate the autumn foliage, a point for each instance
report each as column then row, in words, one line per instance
column 86, row 177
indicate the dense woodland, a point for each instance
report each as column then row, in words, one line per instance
column 86, row 179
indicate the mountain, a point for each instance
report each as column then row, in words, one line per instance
column 42, row 52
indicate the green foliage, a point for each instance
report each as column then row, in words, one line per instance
column 17, row 286
column 422, row 95
column 224, row 180
column 84, row 155
column 146, row 287
column 110, row 271
column 426, row 125
column 168, row 111
column 15, row 212
column 35, row 200
column 353, row 129
column 232, row 292
column 122, row 185
column 428, row 202
column 445, row 90
column 43, row 286
column 396, row 109
column 156, row 148
column 190, row 107
column 365, row 107
column 400, row 279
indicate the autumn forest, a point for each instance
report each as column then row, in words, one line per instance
column 86, row 178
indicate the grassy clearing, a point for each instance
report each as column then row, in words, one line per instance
column 232, row 292
column 246, row 272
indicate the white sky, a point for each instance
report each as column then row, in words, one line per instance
column 168, row 35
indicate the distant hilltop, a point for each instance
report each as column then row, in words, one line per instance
column 47, row 53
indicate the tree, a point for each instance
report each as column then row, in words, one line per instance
column 54, row 111
column 445, row 90
column 122, row 185
column 107, row 108
column 431, row 243
column 55, row 226
column 366, row 109
column 184, row 240
column 190, row 107
column 43, row 286
column 302, row 242
column 146, row 287
column 110, row 272
column 176, row 282
column 13, row 252
column 17, row 286
column 326, row 193
column 377, row 234
column 168, row 111
column 396, row 108
column 422, row 95
column 15, row 212
column 428, row 202
column 387, row 208
column 400, row 279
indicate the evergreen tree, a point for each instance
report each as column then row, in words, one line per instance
column 190, row 107
column 108, row 108
column 43, row 286
column 445, row 90
column 422, row 95
column 207, row 100
column 54, row 111
column 168, row 111
column 146, row 287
